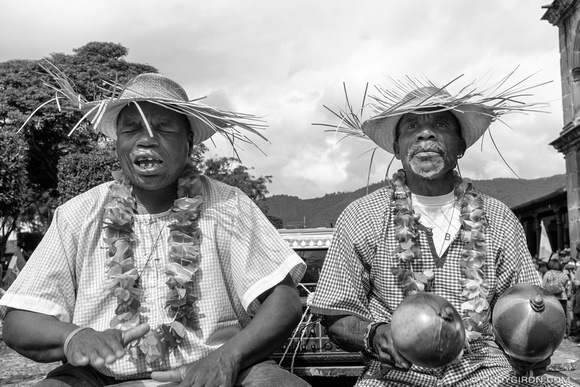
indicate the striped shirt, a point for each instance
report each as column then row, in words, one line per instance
column 242, row 256
column 356, row 280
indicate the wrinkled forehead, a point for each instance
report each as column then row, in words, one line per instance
column 432, row 112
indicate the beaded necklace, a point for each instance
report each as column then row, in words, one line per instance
column 183, row 261
column 475, row 308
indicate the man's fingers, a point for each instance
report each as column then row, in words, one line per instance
column 167, row 376
column 400, row 362
column 134, row 333
column 79, row 359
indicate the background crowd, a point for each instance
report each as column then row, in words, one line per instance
column 559, row 275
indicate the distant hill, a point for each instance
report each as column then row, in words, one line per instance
column 323, row 211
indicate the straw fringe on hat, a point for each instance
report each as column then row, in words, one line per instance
column 474, row 118
column 475, row 108
column 102, row 114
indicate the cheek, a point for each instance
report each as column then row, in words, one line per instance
column 178, row 152
column 451, row 149
column 125, row 161
column 179, row 149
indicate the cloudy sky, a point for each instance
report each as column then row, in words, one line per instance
column 284, row 60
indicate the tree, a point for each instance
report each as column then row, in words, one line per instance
column 79, row 172
column 46, row 135
column 229, row 171
column 54, row 166
column 277, row 222
column 13, row 183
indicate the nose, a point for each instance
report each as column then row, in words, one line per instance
column 425, row 133
column 146, row 140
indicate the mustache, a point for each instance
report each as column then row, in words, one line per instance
column 428, row 146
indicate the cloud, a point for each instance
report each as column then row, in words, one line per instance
column 285, row 60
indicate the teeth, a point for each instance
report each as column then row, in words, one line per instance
column 147, row 162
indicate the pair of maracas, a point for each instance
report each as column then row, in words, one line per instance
column 527, row 321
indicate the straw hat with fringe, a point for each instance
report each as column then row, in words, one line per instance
column 474, row 107
column 102, row 114
column 474, row 119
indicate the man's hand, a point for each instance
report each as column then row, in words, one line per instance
column 382, row 343
column 218, row 369
column 524, row 368
column 99, row 348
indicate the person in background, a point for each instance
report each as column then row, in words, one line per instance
column 557, row 282
column 574, row 330
column 542, row 268
column 163, row 273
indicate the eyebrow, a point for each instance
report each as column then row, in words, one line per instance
column 410, row 118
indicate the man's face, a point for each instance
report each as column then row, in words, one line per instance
column 152, row 163
column 428, row 144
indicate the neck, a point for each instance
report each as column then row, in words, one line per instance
column 430, row 187
column 155, row 202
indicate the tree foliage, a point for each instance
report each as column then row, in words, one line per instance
column 45, row 137
column 13, row 183
column 45, row 166
column 79, row 172
column 228, row 170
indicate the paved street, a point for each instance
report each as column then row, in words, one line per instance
column 16, row 370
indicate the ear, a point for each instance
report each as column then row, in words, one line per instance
column 397, row 150
column 461, row 148
column 190, row 141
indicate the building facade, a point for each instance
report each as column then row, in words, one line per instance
column 565, row 15
column 552, row 211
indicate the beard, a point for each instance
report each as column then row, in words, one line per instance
column 428, row 159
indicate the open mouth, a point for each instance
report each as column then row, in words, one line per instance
column 148, row 164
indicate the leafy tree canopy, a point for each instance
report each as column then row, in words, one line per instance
column 229, row 171
column 13, row 183
column 49, row 167
column 80, row 171
column 45, row 137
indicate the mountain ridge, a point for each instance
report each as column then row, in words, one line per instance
column 323, row 211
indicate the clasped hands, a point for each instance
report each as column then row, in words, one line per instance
column 383, row 346
column 90, row 347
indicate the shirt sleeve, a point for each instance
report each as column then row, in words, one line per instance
column 47, row 282
column 344, row 284
column 260, row 258
column 514, row 263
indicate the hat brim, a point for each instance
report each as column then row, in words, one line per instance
column 107, row 123
column 474, row 120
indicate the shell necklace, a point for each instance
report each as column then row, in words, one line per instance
column 475, row 308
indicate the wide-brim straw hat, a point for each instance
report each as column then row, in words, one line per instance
column 147, row 87
column 475, row 107
column 474, row 119
column 154, row 88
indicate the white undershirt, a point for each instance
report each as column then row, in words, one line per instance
column 441, row 215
